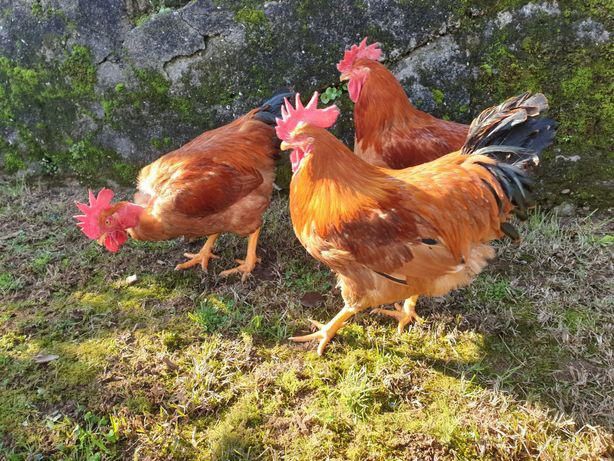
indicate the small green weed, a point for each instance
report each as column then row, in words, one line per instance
column 9, row 283
column 213, row 313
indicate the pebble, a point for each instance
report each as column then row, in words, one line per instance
column 565, row 209
column 565, row 191
column 312, row 299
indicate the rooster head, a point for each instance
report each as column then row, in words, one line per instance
column 351, row 69
column 293, row 119
column 106, row 222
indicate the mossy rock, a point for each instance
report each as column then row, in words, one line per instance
column 115, row 83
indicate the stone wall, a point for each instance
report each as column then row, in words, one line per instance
column 94, row 87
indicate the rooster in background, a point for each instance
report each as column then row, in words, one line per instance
column 220, row 181
column 390, row 131
column 424, row 230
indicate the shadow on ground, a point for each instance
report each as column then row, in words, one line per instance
column 185, row 365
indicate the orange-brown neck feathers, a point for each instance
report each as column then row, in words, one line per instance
column 383, row 103
column 333, row 185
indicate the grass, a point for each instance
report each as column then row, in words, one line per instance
column 184, row 365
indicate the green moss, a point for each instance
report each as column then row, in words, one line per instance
column 147, row 10
column 161, row 143
column 576, row 78
column 12, row 161
column 59, row 93
column 44, row 11
column 80, row 69
column 438, row 96
column 251, row 16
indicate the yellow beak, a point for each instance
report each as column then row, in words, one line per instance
column 344, row 77
column 102, row 238
column 284, row 146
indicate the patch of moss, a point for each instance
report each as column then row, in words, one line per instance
column 58, row 92
column 80, row 70
column 438, row 96
column 251, row 16
column 141, row 12
column 544, row 55
column 12, row 160
column 44, row 11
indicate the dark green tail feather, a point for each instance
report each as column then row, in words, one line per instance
column 271, row 108
column 513, row 133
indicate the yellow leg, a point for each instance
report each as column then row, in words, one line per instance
column 326, row 332
column 202, row 256
column 246, row 266
column 405, row 314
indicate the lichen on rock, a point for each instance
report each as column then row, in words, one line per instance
column 136, row 78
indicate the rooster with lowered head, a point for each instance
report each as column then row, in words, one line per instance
column 220, row 181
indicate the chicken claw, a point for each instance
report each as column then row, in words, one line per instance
column 246, row 266
column 404, row 314
column 202, row 257
column 326, row 332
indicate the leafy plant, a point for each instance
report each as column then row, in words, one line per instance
column 332, row 93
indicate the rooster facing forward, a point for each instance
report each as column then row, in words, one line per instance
column 220, row 181
column 398, row 234
column 390, row 131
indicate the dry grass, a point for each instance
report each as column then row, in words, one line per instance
column 187, row 366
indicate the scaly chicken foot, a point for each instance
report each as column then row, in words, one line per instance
column 246, row 266
column 328, row 331
column 202, row 257
column 404, row 314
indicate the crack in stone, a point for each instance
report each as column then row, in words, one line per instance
column 105, row 59
column 450, row 29
column 205, row 45
column 178, row 57
column 391, row 63
column 204, row 36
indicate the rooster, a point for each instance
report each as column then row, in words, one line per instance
column 220, row 181
column 389, row 130
column 425, row 230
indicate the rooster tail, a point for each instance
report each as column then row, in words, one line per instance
column 271, row 108
column 514, row 134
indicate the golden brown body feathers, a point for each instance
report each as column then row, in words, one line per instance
column 220, row 181
column 428, row 225
column 391, row 132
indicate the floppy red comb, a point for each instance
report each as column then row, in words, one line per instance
column 309, row 115
column 88, row 222
column 373, row 52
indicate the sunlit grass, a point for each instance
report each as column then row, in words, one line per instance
column 182, row 365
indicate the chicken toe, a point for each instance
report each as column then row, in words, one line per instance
column 326, row 332
column 202, row 257
column 405, row 314
column 247, row 265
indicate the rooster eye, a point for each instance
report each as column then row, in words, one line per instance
column 107, row 222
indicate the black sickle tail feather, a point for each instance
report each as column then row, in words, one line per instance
column 513, row 133
column 271, row 108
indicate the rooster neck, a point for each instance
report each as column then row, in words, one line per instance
column 333, row 185
column 382, row 105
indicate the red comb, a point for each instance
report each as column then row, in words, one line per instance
column 88, row 221
column 372, row 51
column 309, row 115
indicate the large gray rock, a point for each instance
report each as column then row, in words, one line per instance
column 161, row 40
